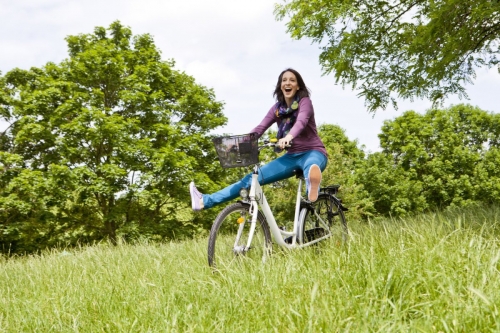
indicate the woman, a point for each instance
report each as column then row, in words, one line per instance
column 294, row 114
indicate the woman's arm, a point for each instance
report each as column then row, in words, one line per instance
column 268, row 120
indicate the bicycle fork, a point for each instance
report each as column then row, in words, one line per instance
column 254, row 212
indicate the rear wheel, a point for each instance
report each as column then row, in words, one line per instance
column 229, row 235
column 329, row 210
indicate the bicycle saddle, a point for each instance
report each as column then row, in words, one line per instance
column 298, row 173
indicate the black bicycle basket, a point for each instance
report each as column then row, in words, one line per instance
column 237, row 150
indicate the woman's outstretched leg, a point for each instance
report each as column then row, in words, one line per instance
column 278, row 169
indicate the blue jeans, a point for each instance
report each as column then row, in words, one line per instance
column 278, row 169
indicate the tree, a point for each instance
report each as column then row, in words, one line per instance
column 391, row 49
column 442, row 158
column 112, row 136
column 344, row 157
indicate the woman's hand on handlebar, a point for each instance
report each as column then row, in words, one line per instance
column 285, row 142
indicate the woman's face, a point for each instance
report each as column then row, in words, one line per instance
column 289, row 86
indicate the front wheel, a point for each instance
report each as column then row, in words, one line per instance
column 229, row 235
column 326, row 209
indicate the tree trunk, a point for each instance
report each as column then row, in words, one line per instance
column 110, row 229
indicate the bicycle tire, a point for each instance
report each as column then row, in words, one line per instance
column 222, row 250
column 330, row 210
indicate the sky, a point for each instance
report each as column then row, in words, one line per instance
column 235, row 47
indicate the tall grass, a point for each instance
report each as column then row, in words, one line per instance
column 430, row 273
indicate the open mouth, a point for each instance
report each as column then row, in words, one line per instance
column 288, row 90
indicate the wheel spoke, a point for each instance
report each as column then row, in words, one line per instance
column 328, row 211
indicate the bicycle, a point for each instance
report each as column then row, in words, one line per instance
column 242, row 229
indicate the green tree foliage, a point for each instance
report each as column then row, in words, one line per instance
column 103, row 143
column 439, row 159
column 399, row 48
column 344, row 157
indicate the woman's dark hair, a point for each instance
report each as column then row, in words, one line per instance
column 303, row 91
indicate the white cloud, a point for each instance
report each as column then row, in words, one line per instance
column 195, row 11
column 210, row 73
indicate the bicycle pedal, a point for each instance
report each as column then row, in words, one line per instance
column 315, row 233
column 289, row 240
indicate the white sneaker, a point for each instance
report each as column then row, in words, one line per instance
column 196, row 197
column 314, row 182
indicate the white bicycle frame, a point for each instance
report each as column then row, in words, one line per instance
column 257, row 198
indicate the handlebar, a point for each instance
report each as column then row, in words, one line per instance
column 274, row 144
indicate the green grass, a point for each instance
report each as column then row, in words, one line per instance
column 431, row 273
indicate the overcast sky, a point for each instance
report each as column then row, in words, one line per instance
column 235, row 47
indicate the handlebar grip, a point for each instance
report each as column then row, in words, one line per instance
column 274, row 143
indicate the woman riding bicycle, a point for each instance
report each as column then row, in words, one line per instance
column 294, row 114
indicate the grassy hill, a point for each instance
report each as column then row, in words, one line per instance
column 430, row 273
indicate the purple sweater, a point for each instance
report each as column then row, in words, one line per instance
column 304, row 132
